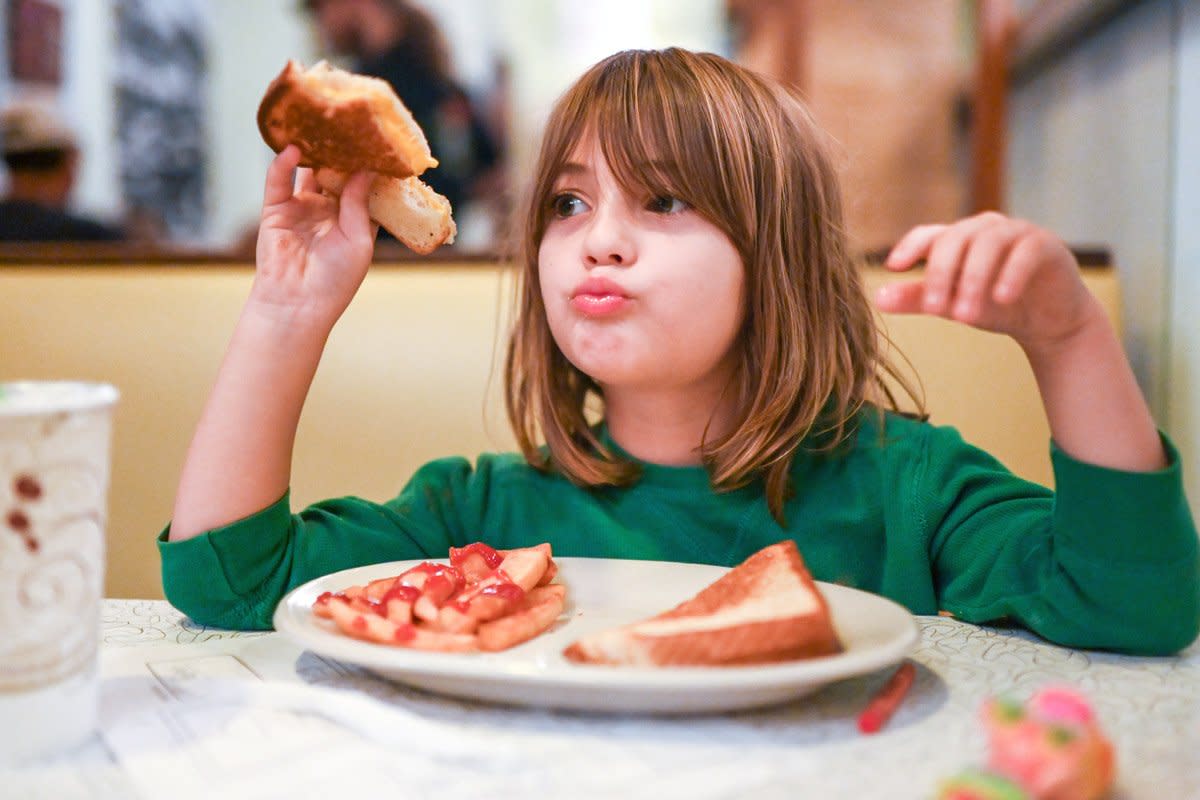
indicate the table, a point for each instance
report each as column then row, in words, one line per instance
column 188, row 711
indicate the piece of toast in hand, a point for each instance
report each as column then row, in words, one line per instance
column 411, row 211
column 343, row 123
column 764, row 610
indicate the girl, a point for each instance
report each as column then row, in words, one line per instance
column 694, row 374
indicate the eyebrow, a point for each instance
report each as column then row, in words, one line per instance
column 573, row 168
column 577, row 168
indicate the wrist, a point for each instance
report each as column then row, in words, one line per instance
column 290, row 314
column 1091, row 327
column 289, row 326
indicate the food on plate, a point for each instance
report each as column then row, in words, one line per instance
column 343, row 123
column 484, row 599
column 765, row 609
column 1050, row 748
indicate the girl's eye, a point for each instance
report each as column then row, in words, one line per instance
column 566, row 205
column 665, row 204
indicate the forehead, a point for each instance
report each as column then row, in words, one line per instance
column 634, row 168
column 585, row 156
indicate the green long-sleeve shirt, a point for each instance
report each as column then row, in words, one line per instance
column 910, row 512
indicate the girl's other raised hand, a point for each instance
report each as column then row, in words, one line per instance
column 313, row 250
column 996, row 273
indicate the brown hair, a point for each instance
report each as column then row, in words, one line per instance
column 746, row 155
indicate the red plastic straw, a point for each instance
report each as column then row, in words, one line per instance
column 887, row 700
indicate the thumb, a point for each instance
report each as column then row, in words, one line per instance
column 353, row 217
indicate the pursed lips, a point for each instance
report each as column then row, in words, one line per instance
column 598, row 297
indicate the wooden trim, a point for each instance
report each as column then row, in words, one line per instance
column 1089, row 256
column 109, row 254
column 80, row 255
column 989, row 117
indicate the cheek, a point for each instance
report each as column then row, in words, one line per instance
column 549, row 279
column 718, row 300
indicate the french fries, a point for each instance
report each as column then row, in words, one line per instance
column 483, row 600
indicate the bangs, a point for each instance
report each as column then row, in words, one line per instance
column 661, row 132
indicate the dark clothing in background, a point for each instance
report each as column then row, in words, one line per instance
column 456, row 135
column 22, row 221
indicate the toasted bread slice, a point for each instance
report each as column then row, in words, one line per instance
column 413, row 213
column 765, row 609
column 342, row 121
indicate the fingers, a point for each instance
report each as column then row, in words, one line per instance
column 900, row 298
column 1023, row 261
column 306, row 180
column 942, row 266
column 985, row 258
column 353, row 217
column 913, row 246
column 962, row 265
column 279, row 176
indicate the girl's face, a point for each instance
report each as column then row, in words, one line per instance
column 640, row 292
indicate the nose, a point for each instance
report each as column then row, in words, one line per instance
column 608, row 240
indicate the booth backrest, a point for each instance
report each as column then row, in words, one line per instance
column 410, row 374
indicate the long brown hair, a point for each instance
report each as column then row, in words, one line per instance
column 744, row 152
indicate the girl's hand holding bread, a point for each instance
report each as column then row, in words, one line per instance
column 313, row 249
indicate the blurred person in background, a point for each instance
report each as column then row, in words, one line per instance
column 42, row 157
column 400, row 43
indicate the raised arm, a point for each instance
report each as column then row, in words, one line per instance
column 1012, row 277
column 312, row 255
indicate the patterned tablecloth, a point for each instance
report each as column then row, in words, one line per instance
column 188, row 711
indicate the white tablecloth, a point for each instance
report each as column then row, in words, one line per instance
column 193, row 712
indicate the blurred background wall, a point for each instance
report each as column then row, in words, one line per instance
column 1105, row 147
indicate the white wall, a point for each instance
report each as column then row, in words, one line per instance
column 1183, row 366
column 250, row 43
column 1089, row 158
column 1103, row 150
column 87, row 97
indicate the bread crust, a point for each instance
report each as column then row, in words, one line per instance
column 772, row 580
column 342, row 121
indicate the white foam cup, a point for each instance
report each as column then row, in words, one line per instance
column 55, row 452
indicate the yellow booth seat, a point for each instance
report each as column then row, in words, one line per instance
column 410, row 374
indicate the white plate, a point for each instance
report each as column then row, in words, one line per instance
column 602, row 593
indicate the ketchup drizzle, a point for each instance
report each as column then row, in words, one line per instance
column 460, row 554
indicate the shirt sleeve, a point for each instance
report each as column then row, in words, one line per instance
column 1108, row 560
column 234, row 576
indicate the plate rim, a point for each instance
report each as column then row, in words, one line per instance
column 494, row 669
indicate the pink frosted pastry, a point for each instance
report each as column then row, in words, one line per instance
column 1052, row 747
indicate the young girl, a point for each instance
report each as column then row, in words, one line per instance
column 686, row 273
